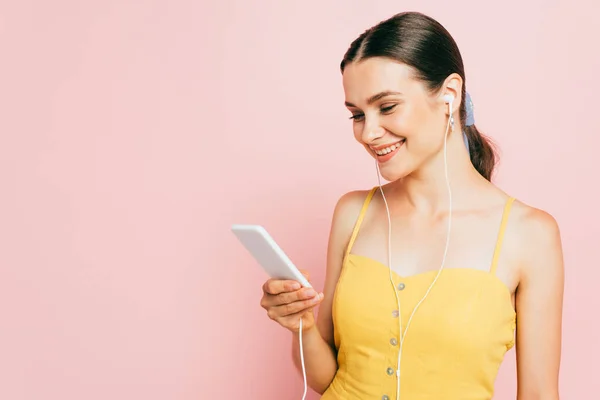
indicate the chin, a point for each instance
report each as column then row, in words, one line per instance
column 393, row 173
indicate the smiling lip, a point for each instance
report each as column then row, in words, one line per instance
column 383, row 146
column 388, row 150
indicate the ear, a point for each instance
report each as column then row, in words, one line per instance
column 453, row 86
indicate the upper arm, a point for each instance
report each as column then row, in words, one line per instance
column 344, row 216
column 539, row 302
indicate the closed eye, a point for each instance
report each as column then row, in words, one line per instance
column 383, row 110
column 389, row 109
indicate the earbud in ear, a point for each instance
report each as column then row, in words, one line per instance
column 448, row 98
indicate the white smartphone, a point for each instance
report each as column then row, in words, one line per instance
column 269, row 255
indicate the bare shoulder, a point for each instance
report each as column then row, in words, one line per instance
column 346, row 212
column 534, row 221
column 539, row 236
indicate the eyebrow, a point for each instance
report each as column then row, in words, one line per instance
column 376, row 97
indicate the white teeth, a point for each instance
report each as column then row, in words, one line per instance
column 389, row 149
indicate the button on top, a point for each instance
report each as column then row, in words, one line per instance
column 385, row 397
column 401, row 286
column 390, row 371
column 395, row 313
column 393, row 341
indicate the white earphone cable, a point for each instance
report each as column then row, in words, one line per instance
column 403, row 333
column 302, row 360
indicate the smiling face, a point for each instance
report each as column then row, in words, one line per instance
column 400, row 123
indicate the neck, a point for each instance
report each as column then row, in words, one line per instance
column 426, row 190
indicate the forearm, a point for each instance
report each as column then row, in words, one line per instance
column 549, row 394
column 319, row 359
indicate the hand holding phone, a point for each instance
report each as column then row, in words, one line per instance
column 287, row 295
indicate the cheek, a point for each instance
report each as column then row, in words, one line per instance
column 403, row 122
column 399, row 126
column 419, row 130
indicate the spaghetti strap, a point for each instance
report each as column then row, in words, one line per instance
column 361, row 216
column 505, row 214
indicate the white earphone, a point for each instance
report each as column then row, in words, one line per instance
column 449, row 99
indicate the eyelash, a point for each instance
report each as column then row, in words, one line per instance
column 384, row 110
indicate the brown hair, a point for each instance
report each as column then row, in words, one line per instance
column 424, row 44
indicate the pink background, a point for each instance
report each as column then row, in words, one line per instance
column 133, row 133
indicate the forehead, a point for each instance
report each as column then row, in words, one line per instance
column 366, row 78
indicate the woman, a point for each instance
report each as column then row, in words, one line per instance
column 398, row 324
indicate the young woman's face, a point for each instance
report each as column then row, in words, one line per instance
column 395, row 118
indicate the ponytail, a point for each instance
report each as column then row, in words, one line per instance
column 482, row 151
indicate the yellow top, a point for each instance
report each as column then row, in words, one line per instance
column 457, row 338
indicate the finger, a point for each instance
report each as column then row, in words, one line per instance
column 292, row 321
column 296, row 307
column 277, row 286
column 291, row 297
column 270, row 300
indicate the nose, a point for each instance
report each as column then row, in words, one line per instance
column 371, row 130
